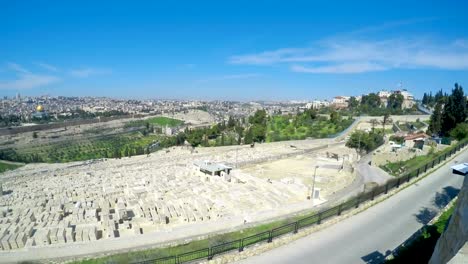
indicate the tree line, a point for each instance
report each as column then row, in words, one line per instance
column 371, row 104
column 431, row 100
column 449, row 115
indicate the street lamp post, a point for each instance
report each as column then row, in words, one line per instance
column 313, row 184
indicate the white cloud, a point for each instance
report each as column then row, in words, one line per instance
column 230, row 77
column 16, row 67
column 87, row 72
column 24, row 79
column 356, row 56
column 340, row 68
column 28, row 81
column 47, row 66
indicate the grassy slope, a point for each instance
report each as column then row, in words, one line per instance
column 164, row 121
column 413, row 163
column 157, row 121
column 7, row 166
column 280, row 128
column 88, row 149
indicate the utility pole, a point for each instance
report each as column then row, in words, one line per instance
column 237, row 148
column 313, row 184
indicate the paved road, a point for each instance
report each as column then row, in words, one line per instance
column 369, row 236
column 371, row 173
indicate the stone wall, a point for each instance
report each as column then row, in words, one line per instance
column 74, row 122
column 456, row 235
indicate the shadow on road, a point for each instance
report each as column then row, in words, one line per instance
column 443, row 198
column 375, row 257
column 425, row 215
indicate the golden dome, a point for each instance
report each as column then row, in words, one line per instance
column 39, row 108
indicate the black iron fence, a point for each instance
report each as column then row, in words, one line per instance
column 315, row 219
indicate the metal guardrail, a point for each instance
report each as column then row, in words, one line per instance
column 318, row 218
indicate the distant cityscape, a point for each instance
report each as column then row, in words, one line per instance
column 31, row 108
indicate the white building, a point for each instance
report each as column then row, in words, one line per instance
column 317, row 104
column 341, row 101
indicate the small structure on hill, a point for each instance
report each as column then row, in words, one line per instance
column 212, row 168
column 416, row 140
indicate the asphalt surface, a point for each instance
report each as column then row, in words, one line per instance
column 371, row 173
column 370, row 235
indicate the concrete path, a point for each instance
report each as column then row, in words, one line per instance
column 371, row 173
column 370, row 235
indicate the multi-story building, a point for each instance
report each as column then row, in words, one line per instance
column 408, row 98
column 340, row 102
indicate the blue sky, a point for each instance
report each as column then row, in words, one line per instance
column 239, row 50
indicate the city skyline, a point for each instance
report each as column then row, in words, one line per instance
column 231, row 52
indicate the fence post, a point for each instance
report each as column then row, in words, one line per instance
column 296, row 227
column 357, row 201
column 319, row 218
column 373, row 194
column 339, row 209
column 398, row 182
column 210, row 253
column 270, row 238
column 241, row 246
column 417, row 172
column 433, row 163
column 425, row 167
column 386, row 188
column 409, row 175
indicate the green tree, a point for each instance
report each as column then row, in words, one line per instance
column 424, row 99
column 454, row 110
column 231, row 122
column 371, row 100
column 435, row 122
column 240, row 132
column 196, row 136
column 353, row 102
column 34, row 135
column 395, row 101
column 248, row 137
column 335, row 117
column 460, row 131
column 258, row 128
column 259, row 117
column 258, row 132
column 367, row 141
